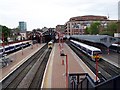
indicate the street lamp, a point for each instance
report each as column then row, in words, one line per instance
column 96, row 59
column 22, row 44
column 66, row 69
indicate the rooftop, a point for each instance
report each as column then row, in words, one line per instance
column 88, row 17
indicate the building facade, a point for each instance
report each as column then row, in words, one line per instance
column 22, row 26
column 77, row 25
column 60, row 28
column 23, row 29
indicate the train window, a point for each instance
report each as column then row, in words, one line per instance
column 79, row 46
column 6, row 48
column 90, row 52
column 84, row 48
column 49, row 43
column 96, row 52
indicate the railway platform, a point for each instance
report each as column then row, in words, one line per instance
column 18, row 58
column 55, row 73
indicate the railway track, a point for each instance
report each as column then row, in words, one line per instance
column 106, row 70
column 29, row 74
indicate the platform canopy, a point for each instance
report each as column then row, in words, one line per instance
column 103, row 39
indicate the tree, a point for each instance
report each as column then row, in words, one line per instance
column 87, row 30
column 93, row 29
column 112, row 28
column 5, row 32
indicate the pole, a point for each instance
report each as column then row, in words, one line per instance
column 37, row 39
column 108, row 50
column 96, row 67
column 3, row 47
column 66, row 71
column 31, row 42
column 22, row 46
column 3, row 39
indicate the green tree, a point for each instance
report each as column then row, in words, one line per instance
column 112, row 28
column 94, row 28
column 87, row 30
column 5, row 32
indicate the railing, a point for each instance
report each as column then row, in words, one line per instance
column 83, row 81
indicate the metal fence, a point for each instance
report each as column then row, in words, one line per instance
column 83, row 81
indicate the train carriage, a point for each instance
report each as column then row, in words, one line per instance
column 50, row 44
column 89, row 50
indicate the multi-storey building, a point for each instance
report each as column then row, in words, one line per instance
column 23, row 29
column 77, row 25
column 60, row 28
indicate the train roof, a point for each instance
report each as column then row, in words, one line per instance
column 50, row 42
column 118, row 45
column 87, row 46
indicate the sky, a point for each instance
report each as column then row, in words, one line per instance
column 49, row 13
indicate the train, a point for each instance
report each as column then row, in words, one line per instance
column 11, row 48
column 50, row 44
column 91, row 51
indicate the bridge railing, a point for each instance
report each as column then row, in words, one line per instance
column 83, row 81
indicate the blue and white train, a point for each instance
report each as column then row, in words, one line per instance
column 11, row 48
column 91, row 51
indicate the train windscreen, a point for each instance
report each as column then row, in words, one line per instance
column 96, row 52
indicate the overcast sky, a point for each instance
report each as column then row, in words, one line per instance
column 49, row 13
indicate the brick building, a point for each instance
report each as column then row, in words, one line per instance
column 77, row 25
column 60, row 28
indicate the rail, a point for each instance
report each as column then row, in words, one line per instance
column 81, row 81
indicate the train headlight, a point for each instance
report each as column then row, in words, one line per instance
column 97, row 57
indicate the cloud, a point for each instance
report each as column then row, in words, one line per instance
column 49, row 13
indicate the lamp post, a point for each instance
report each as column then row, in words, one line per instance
column 96, row 59
column 66, row 71
column 22, row 44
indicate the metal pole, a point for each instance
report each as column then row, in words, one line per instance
column 22, row 46
column 3, row 48
column 40, row 39
column 31, row 42
column 96, row 67
column 108, row 50
column 3, row 39
column 37, row 39
column 66, row 71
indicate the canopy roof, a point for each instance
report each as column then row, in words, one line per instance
column 104, row 39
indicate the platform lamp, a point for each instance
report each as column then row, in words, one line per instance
column 96, row 59
column 22, row 44
column 66, row 70
column 3, row 43
column 41, row 38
